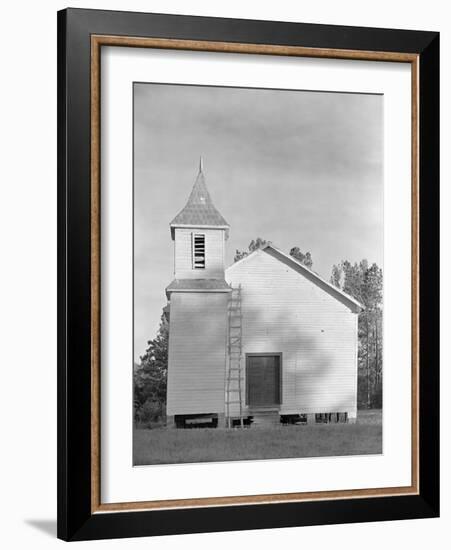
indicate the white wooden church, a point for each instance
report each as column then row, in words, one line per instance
column 264, row 340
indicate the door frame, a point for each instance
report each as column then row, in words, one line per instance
column 246, row 382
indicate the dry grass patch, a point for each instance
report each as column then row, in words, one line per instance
column 171, row 446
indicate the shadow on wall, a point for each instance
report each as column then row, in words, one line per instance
column 319, row 362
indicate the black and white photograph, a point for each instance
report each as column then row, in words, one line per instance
column 225, row 268
column 258, row 273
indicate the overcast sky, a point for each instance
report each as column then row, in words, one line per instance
column 296, row 168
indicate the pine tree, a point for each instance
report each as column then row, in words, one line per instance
column 295, row 252
column 364, row 283
column 335, row 278
column 305, row 259
column 253, row 245
column 150, row 376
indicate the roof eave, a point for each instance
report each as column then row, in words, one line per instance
column 353, row 304
column 357, row 305
column 174, row 226
column 169, row 291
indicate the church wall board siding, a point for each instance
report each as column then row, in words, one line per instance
column 285, row 312
column 214, row 251
column 197, row 333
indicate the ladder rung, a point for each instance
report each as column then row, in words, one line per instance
column 232, row 402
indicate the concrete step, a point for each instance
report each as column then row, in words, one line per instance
column 265, row 418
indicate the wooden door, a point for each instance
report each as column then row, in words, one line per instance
column 263, row 380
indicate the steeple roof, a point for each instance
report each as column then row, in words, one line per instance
column 199, row 211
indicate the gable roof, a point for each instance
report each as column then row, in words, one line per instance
column 199, row 210
column 335, row 292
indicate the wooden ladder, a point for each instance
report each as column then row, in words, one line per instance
column 234, row 378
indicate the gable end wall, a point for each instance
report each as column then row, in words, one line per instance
column 284, row 312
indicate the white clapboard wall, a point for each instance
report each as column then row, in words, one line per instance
column 214, row 253
column 313, row 328
column 197, row 352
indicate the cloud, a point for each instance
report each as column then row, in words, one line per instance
column 297, row 168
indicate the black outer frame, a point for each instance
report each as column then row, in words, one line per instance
column 75, row 521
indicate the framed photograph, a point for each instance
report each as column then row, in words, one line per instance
column 248, row 274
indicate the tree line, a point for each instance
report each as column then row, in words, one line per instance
column 360, row 280
column 364, row 283
column 150, row 377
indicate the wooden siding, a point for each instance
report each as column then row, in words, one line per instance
column 197, row 353
column 214, row 254
column 284, row 312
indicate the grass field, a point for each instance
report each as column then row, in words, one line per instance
column 171, row 446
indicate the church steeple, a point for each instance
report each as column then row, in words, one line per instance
column 199, row 297
column 199, row 233
column 199, row 210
